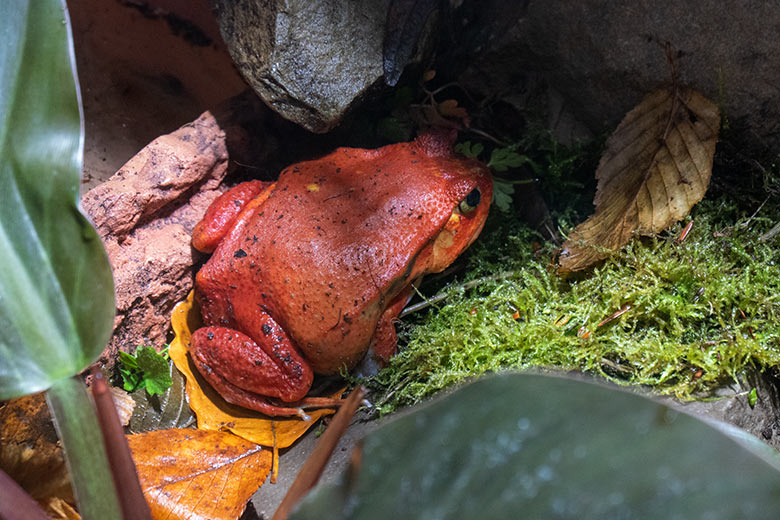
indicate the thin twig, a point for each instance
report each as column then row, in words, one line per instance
column 15, row 503
column 760, row 207
column 312, row 470
column 771, row 233
column 486, row 135
column 443, row 295
column 620, row 368
column 131, row 496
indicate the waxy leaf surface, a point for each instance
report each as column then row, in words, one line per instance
column 531, row 446
column 56, row 289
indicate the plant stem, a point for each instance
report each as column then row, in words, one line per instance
column 78, row 429
column 131, row 496
column 312, row 469
column 15, row 503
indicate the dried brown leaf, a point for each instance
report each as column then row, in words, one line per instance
column 30, row 452
column 124, row 404
column 450, row 108
column 164, row 411
column 58, row 509
column 657, row 165
column 198, row 474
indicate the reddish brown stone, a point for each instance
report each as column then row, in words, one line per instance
column 145, row 214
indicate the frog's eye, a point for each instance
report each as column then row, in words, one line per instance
column 471, row 201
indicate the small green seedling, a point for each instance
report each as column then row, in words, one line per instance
column 146, row 369
column 501, row 159
column 753, row 397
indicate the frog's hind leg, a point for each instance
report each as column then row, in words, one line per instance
column 224, row 211
column 271, row 378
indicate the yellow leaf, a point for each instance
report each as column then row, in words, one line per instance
column 213, row 412
column 197, row 474
column 657, row 165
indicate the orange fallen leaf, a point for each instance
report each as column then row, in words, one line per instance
column 197, row 474
column 657, row 165
column 213, row 412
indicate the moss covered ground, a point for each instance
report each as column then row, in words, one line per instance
column 683, row 317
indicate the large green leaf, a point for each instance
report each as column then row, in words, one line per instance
column 527, row 446
column 56, row 290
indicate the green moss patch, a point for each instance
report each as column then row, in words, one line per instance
column 697, row 313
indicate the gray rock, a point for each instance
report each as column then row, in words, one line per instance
column 602, row 57
column 309, row 61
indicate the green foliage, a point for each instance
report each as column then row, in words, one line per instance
column 397, row 126
column 752, row 397
column 146, row 369
column 469, row 149
column 701, row 312
column 564, row 174
column 530, row 446
column 501, row 159
column 502, row 194
column 56, row 290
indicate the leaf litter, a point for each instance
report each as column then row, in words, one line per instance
column 656, row 166
column 193, row 474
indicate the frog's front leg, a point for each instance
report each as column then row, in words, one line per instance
column 384, row 342
column 251, row 370
column 224, row 211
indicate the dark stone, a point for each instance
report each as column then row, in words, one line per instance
column 595, row 60
column 309, row 61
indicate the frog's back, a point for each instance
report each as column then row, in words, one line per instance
column 335, row 242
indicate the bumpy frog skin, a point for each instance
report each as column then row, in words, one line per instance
column 309, row 273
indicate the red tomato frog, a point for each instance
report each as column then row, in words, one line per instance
column 308, row 273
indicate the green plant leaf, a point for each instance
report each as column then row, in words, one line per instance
column 501, row 159
column 147, row 368
column 127, row 361
column 753, row 397
column 156, row 370
column 530, row 446
column 502, row 193
column 469, row 149
column 56, row 290
column 164, row 411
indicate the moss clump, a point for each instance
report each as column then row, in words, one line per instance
column 698, row 312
